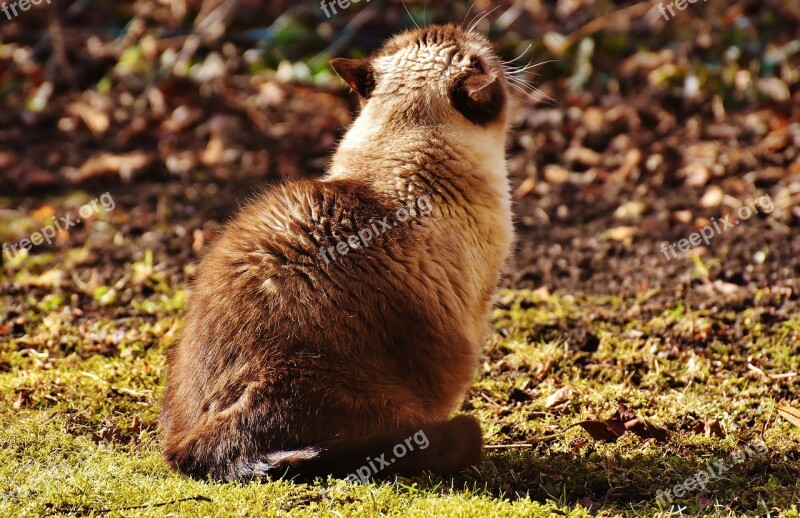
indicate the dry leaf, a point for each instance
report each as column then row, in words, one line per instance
column 541, row 292
column 124, row 164
column 789, row 413
column 774, row 88
column 542, row 370
column 559, row 398
column 24, row 398
column 136, row 426
column 622, row 233
column 578, row 445
column 518, row 394
column 43, row 213
column 97, row 121
column 582, row 155
column 623, row 420
column 682, row 216
column 526, row 187
column 695, row 174
column 589, row 504
column 181, row 118
column 198, row 240
column 630, row 210
column 631, row 161
column 647, row 430
column 555, row 174
column 108, row 434
column 709, row 427
column 608, row 430
column 712, row 197
column 212, row 155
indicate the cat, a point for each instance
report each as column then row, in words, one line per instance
column 308, row 348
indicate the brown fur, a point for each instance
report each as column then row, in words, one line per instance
column 293, row 365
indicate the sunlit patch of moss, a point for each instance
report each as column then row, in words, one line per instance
column 79, row 432
column 105, row 295
column 144, row 269
column 161, row 303
column 48, row 279
column 51, row 301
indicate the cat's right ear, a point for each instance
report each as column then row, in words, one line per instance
column 479, row 97
column 358, row 73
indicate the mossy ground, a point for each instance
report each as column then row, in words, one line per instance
column 82, row 371
column 650, row 123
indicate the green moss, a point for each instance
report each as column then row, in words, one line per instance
column 105, row 295
column 80, row 400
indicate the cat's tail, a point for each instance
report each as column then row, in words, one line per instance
column 442, row 447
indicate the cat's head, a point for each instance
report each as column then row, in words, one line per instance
column 431, row 76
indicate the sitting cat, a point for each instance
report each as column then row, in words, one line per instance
column 307, row 348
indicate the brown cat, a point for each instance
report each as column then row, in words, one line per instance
column 311, row 344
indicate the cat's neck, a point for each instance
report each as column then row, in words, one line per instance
column 408, row 159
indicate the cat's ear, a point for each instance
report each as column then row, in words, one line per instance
column 358, row 73
column 479, row 96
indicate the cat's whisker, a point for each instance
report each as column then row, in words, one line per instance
column 474, row 24
column 521, row 82
column 529, row 66
column 520, row 85
column 467, row 15
column 550, row 100
column 518, row 88
column 515, row 78
column 524, row 89
column 521, row 77
column 505, row 63
column 527, row 89
column 410, row 15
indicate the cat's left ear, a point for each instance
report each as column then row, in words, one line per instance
column 358, row 73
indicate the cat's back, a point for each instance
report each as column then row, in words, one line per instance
column 302, row 259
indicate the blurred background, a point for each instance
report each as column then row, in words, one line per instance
column 640, row 127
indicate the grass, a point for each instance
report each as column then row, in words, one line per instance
column 81, row 390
